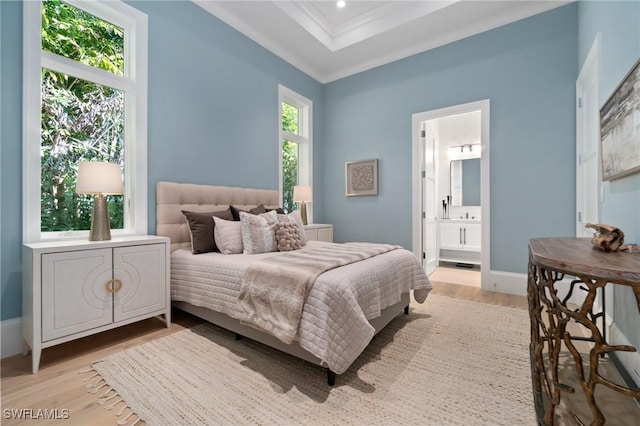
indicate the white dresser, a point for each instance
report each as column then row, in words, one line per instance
column 73, row 289
column 319, row 232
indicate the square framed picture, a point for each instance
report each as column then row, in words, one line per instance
column 362, row 177
column 619, row 129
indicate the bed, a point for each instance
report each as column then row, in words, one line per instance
column 344, row 309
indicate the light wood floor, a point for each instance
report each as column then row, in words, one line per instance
column 449, row 273
column 58, row 384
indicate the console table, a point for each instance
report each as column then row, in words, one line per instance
column 549, row 260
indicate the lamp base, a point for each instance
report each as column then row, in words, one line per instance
column 303, row 212
column 100, row 226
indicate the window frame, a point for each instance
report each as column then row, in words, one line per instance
column 304, row 140
column 133, row 83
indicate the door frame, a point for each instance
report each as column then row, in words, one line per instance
column 424, row 200
column 417, row 153
column 590, row 73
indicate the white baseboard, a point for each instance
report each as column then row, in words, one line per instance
column 507, row 282
column 515, row 283
column 11, row 332
column 629, row 360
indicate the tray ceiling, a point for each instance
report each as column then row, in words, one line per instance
column 328, row 43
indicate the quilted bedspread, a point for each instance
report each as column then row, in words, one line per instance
column 334, row 325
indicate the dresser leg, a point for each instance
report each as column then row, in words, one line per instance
column 35, row 359
column 167, row 318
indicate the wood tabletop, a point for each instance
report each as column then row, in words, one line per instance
column 577, row 256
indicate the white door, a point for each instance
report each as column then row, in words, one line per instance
column 138, row 273
column 75, row 286
column 588, row 171
column 429, row 243
column 587, row 145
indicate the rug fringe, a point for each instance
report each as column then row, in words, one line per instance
column 96, row 388
column 126, row 419
column 97, row 382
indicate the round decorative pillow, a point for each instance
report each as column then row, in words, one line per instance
column 287, row 236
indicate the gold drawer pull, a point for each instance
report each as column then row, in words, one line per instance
column 109, row 286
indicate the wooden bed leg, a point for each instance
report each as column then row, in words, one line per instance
column 406, row 310
column 238, row 336
column 331, row 377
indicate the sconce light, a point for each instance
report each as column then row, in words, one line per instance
column 303, row 194
column 100, row 179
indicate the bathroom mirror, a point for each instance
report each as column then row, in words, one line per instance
column 465, row 182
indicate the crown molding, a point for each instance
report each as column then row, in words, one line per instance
column 218, row 10
column 385, row 17
column 327, row 51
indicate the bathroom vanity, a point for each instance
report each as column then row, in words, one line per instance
column 459, row 241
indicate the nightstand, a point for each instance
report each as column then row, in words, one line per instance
column 319, row 232
column 72, row 289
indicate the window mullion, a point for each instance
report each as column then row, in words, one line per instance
column 294, row 138
column 86, row 72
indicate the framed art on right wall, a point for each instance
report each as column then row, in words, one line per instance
column 620, row 128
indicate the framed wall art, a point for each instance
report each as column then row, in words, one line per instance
column 362, row 177
column 619, row 128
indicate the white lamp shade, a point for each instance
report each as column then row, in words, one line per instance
column 96, row 177
column 302, row 194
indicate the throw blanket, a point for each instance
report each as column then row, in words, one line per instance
column 275, row 289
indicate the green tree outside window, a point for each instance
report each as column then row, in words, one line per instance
column 81, row 120
column 290, row 159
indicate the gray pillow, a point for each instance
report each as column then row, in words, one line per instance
column 287, row 236
column 201, row 229
column 258, row 235
column 255, row 210
column 294, row 217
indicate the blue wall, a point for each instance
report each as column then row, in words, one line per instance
column 213, row 114
column 618, row 24
column 213, row 101
column 528, row 70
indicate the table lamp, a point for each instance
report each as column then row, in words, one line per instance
column 302, row 194
column 100, row 179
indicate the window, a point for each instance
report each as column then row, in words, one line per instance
column 295, row 145
column 85, row 90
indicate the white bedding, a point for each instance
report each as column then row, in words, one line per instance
column 334, row 325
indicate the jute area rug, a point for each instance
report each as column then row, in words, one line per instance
column 449, row 362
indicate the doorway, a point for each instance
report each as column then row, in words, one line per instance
column 589, row 191
column 449, row 143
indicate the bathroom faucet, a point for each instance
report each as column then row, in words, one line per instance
column 467, row 215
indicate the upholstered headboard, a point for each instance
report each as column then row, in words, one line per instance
column 172, row 198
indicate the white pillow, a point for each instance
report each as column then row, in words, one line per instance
column 228, row 235
column 258, row 233
column 294, row 217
